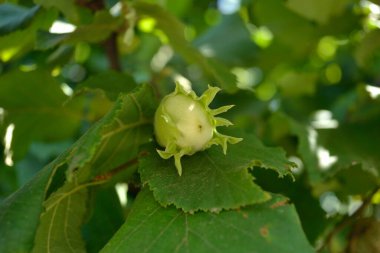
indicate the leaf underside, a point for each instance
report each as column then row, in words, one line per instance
column 59, row 229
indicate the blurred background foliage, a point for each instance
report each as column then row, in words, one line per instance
column 303, row 74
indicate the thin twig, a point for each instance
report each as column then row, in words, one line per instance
column 120, row 168
column 112, row 52
column 110, row 44
column 94, row 5
column 349, row 219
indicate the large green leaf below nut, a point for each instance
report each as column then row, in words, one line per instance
column 212, row 181
column 269, row 227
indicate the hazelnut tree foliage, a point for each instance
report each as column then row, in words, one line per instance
column 80, row 171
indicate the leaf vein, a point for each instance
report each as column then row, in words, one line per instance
column 162, row 232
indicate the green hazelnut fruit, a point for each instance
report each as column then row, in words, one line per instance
column 184, row 124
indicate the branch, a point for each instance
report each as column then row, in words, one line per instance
column 120, row 168
column 348, row 220
column 94, row 5
column 110, row 44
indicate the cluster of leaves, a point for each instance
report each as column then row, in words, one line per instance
column 80, row 171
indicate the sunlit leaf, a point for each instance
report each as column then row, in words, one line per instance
column 19, row 42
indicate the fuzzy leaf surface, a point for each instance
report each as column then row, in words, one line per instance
column 211, row 180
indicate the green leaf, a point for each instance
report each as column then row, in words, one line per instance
column 24, row 84
column 253, row 152
column 67, row 7
column 174, row 29
column 295, row 83
column 366, row 52
column 34, row 103
column 320, row 11
column 85, row 148
column 282, row 124
column 353, row 180
column 105, row 219
column 115, row 139
column 268, row 227
column 312, row 216
column 112, row 83
column 237, row 48
column 97, row 31
column 8, row 181
column 354, row 143
column 21, row 41
column 211, row 180
column 363, row 108
column 13, row 17
column 60, row 225
column 46, row 40
column 375, row 1
column 206, row 183
column 287, row 27
column 100, row 29
column 20, row 212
